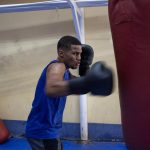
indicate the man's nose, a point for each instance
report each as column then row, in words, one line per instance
column 79, row 57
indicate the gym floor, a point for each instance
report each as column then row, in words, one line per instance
column 21, row 144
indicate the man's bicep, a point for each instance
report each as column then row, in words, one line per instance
column 55, row 72
column 55, row 85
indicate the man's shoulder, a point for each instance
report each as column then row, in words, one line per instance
column 56, row 67
column 56, row 64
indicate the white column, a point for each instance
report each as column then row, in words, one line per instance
column 78, row 18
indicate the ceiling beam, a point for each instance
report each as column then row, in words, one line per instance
column 48, row 5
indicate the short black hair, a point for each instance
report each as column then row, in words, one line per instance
column 66, row 41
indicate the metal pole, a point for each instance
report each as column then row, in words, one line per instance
column 78, row 18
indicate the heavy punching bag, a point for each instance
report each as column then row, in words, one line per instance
column 130, row 27
column 4, row 133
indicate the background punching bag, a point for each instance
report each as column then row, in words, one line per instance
column 130, row 26
column 4, row 133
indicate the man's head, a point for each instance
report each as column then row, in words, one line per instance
column 69, row 51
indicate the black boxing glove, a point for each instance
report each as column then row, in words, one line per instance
column 98, row 81
column 86, row 59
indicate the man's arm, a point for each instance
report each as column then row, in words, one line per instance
column 98, row 81
column 55, row 85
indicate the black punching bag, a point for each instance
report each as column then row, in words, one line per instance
column 130, row 26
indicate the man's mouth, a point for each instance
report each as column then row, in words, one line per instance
column 78, row 64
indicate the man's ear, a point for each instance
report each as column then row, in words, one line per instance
column 61, row 53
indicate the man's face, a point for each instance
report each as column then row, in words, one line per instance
column 72, row 57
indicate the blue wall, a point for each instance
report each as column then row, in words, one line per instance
column 99, row 132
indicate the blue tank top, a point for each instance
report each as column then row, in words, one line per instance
column 45, row 118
